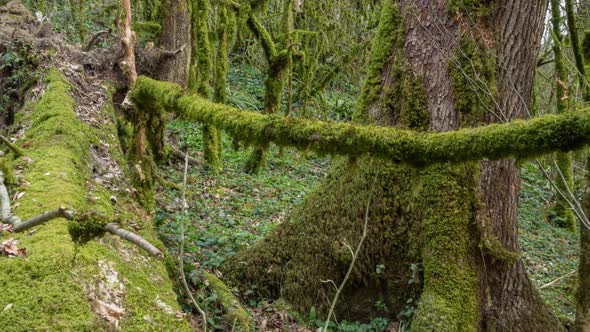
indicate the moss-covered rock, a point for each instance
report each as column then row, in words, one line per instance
column 55, row 286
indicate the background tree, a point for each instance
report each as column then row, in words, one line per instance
column 564, row 179
column 582, row 322
column 176, row 32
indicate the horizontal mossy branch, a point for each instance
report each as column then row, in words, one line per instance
column 518, row 139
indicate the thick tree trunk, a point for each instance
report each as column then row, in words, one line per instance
column 513, row 304
column 426, row 57
column 582, row 322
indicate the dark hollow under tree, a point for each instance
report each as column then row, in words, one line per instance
column 450, row 229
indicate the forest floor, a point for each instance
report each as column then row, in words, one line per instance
column 233, row 210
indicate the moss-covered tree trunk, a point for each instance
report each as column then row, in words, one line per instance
column 199, row 80
column 277, row 55
column 435, row 66
column 564, row 180
column 226, row 31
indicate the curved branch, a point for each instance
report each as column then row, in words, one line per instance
column 263, row 36
column 43, row 218
column 134, row 238
column 95, row 38
column 173, row 53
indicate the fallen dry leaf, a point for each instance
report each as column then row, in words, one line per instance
column 27, row 144
column 111, row 312
column 18, row 195
column 4, row 228
column 166, row 308
column 10, row 248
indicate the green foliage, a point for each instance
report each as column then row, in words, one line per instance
column 548, row 252
column 232, row 205
column 246, row 87
column 146, row 30
column 229, row 211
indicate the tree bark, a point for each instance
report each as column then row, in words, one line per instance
column 128, row 45
column 176, row 32
column 582, row 322
column 513, row 305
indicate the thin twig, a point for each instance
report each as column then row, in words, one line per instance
column 351, row 266
column 576, row 208
column 556, row 280
column 181, row 258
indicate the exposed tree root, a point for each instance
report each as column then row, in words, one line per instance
column 234, row 313
column 94, row 39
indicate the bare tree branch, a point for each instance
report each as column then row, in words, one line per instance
column 134, row 238
column 94, row 39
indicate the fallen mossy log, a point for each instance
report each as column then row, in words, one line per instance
column 61, row 285
column 517, row 139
